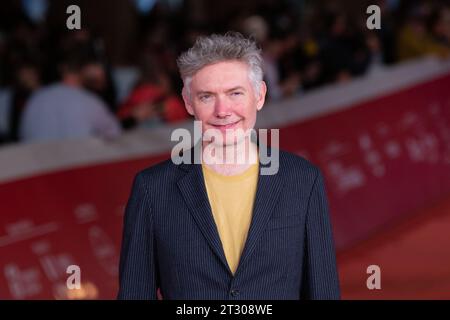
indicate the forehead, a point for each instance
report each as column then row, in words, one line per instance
column 221, row 76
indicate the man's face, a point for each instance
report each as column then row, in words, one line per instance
column 94, row 77
column 223, row 98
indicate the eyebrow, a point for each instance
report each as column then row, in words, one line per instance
column 203, row 92
column 228, row 90
column 236, row 88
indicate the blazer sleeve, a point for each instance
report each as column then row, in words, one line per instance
column 137, row 268
column 320, row 277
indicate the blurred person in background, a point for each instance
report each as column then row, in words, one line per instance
column 303, row 58
column 376, row 56
column 97, row 78
column 67, row 110
column 275, row 47
column 21, row 56
column 97, row 74
column 343, row 50
column 282, row 76
column 438, row 25
column 424, row 32
column 26, row 80
column 153, row 100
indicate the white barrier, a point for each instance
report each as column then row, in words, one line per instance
column 25, row 160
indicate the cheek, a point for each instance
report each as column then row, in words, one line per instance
column 250, row 121
column 250, row 110
column 250, row 116
column 202, row 114
column 245, row 108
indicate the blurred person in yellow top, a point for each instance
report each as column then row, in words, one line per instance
column 425, row 35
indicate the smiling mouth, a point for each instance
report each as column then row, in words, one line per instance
column 226, row 126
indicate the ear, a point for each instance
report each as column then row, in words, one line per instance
column 187, row 102
column 262, row 96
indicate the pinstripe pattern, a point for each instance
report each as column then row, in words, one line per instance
column 170, row 239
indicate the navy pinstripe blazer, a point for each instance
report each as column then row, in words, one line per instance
column 170, row 240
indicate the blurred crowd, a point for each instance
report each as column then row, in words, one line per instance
column 119, row 73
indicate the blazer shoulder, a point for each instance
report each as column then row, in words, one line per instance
column 158, row 172
column 293, row 163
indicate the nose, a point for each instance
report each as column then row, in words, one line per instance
column 222, row 108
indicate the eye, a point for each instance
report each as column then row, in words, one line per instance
column 236, row 93
column 205, row 97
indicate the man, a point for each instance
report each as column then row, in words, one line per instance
column 66, row 110
column 222, row 229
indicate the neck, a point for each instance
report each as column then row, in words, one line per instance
column 230, row 159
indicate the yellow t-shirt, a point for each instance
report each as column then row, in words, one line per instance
column 231, row 199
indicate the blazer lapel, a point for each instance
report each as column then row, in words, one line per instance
column 193, row 190
column 267, row 193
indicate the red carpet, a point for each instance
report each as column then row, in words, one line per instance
column 414, row 259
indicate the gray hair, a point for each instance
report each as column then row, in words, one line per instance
column 217, row 48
